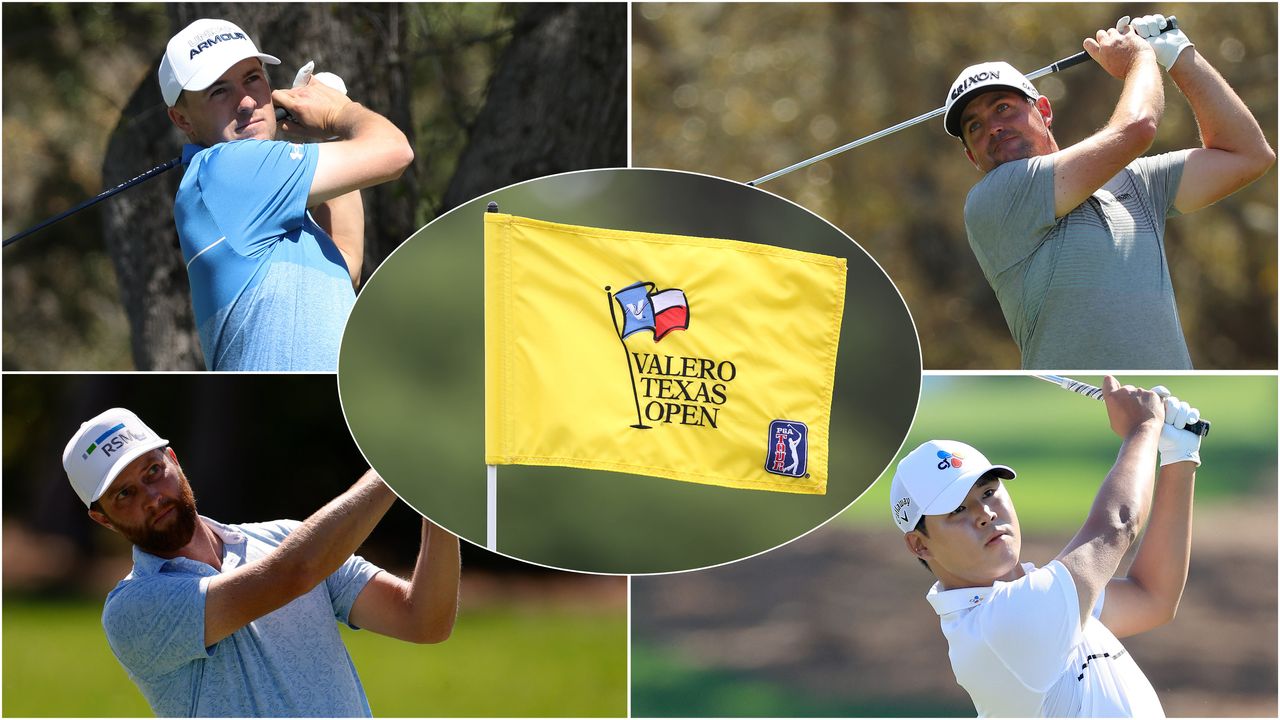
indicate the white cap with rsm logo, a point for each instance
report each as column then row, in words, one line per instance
column 102, row 447
column 934, row 479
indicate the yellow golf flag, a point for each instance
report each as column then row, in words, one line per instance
column 695, row 359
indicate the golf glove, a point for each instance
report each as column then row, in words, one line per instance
column 327, row 78
column 1168, row 44
column 1176, row 444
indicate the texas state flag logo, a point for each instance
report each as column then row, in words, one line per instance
column 644, row 307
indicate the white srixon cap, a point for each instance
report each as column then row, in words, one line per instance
column 934, row 479
column 977, row 79
column 102, row 447
column 200, row 53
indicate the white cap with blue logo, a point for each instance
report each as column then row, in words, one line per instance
column 934, row 479
column 104, row 446
column 199, row 53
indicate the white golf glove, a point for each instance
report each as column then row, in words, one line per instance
column 1167, row 44
column 327, row 78
column 1176, row 444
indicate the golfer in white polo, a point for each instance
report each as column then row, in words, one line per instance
column 1043, row 642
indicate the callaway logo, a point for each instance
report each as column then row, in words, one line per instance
column 972, row 80
column 949, row 460
column 900, row 509
column 214, row 40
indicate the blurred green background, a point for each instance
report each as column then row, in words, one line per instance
column 411, row 377
column 742, row 90
column 528, row 641
column 836, row 623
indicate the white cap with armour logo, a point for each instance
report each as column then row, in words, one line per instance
column 934, row 479
column 102, row 448
column 198, row 55
column 977, row 79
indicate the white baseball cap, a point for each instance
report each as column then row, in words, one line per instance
column 199, row 54
column 104, row 446
column 934, row 479
column 977, row 79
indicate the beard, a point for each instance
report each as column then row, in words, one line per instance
column 176, row 529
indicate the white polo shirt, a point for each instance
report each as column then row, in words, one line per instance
column 1019, row 650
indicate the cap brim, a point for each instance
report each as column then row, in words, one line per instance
column 209, row 74
column 122, row 462
column 951, row 497
column 951, row 121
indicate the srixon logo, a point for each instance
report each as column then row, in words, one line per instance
column 972, row 80
column 212, row 40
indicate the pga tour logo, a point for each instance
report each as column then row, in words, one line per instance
column 788, row 448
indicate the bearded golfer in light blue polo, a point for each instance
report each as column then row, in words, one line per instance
column 240, row 620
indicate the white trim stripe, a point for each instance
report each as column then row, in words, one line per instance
column 207, row 249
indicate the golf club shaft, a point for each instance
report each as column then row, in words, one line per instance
column 1200, row 427
column 281, row 114
column 1063, row 64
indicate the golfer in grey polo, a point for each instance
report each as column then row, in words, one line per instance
column 1072, row 240
column 241, row 620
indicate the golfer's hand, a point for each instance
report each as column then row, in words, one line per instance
column 1167, row 44
column 315, row 108
column 1129, row 407
column 1117, row 51
column 1177, row 444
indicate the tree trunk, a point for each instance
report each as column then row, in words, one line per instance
column 350, row 40
column 557, row 101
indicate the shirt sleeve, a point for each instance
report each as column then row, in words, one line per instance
column 1033, row 623
column 257, row 190
column 1160, row 175
column 346, row 584
column 1009, row 212
column 155, row 624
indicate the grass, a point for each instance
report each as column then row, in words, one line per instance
column 538, row 661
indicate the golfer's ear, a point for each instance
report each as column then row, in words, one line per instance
column 917, row 544
column 101, row 519
column 1046, row 110
column 969, row 154
column 179, row 118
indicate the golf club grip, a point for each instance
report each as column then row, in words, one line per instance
column 1199, row 427
column 282, row 114
column 1082, row 55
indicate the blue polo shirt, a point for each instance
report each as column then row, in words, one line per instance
column 287, row 663
column 269, row 288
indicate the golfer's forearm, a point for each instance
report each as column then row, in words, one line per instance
column 382, row 145
column 321, row 544
column 1124, row 499
column 1141, row 104
column 433, row 591
column 303, row 560
column 1160, row 565
column 1225, row 122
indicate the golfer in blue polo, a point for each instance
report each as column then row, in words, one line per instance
column 241, row 620
column 272, row 232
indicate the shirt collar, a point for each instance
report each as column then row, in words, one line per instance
column 945, row 602
column 189, row 151
column 144, row 563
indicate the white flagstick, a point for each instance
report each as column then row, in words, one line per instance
column 491, row 506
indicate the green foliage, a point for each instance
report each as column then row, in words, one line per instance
column 527, row 662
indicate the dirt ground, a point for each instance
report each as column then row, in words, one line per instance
column 841, row 614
